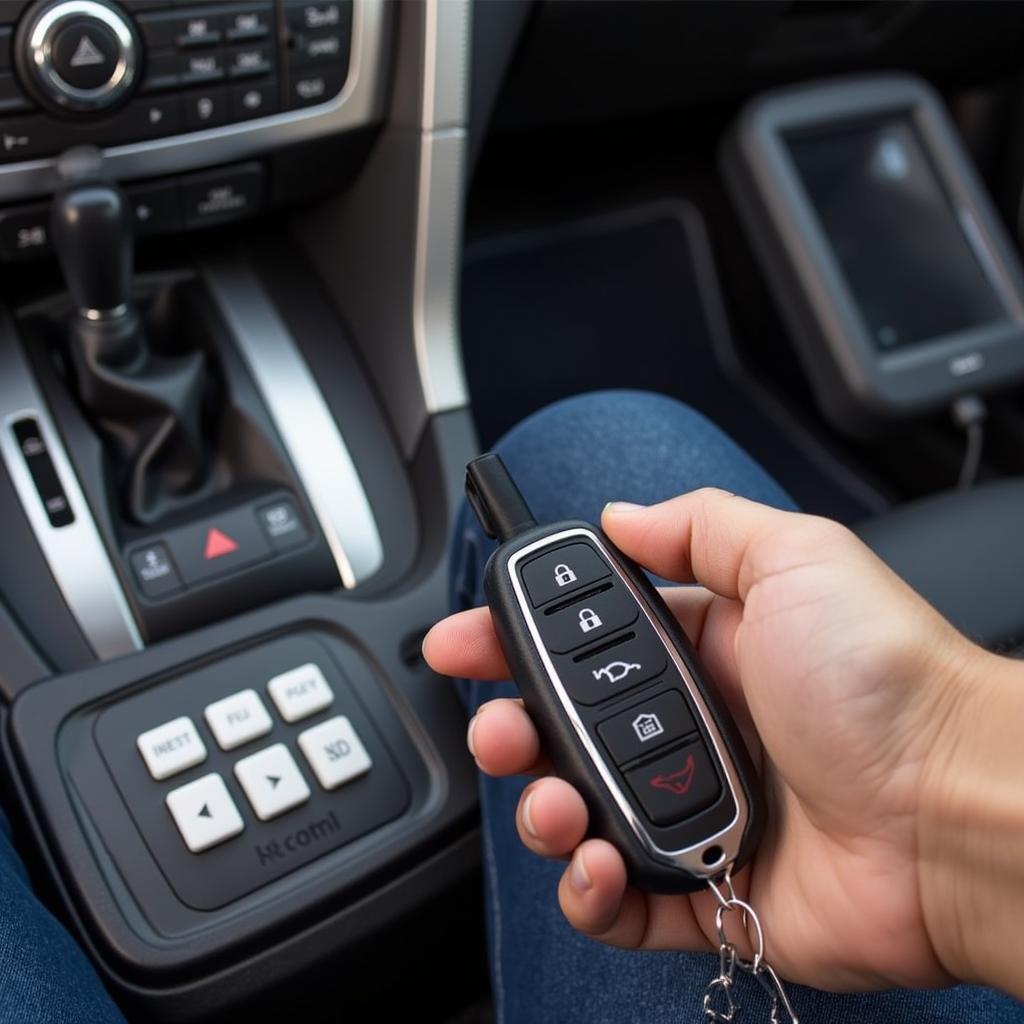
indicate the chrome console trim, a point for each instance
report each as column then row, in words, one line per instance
column 360, row 102
column 444, row 115
column 75, row 553
column 306, row 427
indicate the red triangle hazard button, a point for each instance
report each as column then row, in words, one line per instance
column 217, row 544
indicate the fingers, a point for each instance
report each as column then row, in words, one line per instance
column 465, row 645
column 552, row 818
column 503, row 740
column 597, row 900
column 707, row 536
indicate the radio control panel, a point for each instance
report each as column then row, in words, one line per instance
column 104, row 73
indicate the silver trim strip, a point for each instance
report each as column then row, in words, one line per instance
column 436, row 270
column 307, row 429
column 442, row 159
column 689, row 858
column 360, row 102
column 75, row 553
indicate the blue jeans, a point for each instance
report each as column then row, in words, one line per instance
column 44, row 976
column 568, row 460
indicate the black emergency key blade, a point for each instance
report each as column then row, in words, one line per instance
column 623, row 707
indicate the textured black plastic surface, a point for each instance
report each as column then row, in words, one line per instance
column 570, row 756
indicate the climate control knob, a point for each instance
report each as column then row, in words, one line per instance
column 77, row 55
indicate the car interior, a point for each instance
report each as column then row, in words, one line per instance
column 274, row 271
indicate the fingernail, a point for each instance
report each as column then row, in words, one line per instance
column 579, row 879
column 469, row 733
column 527, row 820
column 616, row 507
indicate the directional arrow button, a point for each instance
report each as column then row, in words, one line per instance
column 204, row 812
column 274, row 765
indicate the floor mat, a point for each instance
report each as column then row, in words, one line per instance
column 629, row 300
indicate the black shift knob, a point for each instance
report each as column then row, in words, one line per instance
column 92, row 232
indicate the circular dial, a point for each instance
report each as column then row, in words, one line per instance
column 78, row 54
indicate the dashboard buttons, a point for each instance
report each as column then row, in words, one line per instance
column 676, row 786
column 272, row 781
column 27, row 137
column 213, row 547
column 309, row 17
column 217, row 196
column 246, row 23
column 249, row 62
column 330, row 47
column 282, row 525
column 199, row 30
column 201, row 67
column 157, row 207
column 171, row 748
column 41, row 469
column 78, row 54
column 85, row 54
column 308, row 88
column 155, row 571
column 335, row 752
column 253, row 100
column 24, row 231
column 237, row 719
column 204, row 813
column 301, row 692
column 149, row 119
column 206, row 109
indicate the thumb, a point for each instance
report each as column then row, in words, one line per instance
column 706, row 537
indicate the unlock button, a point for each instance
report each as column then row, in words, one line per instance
column 563, row 571
column 590, row 619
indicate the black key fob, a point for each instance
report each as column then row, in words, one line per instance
column 623, row 707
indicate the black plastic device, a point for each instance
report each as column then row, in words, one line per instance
column 891, row 269
column 622, row 704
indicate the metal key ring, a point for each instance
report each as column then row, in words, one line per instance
column 748, row 912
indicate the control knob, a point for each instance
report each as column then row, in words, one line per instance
column 77, row 55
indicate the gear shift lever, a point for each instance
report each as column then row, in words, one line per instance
column 147, row 407
column 92, row 231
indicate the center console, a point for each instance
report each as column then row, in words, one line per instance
column 232, row 433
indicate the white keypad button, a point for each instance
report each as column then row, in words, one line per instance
column 272, row 781
column 301, row 692
column 335, row 752
column 237, row 719
column 171, row 748
column 204, row 812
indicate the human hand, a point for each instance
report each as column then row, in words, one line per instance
column 844, row 675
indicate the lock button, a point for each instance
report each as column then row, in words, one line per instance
column 591, row 618
column 563, row 571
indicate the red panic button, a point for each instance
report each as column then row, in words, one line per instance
column 676, row 786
